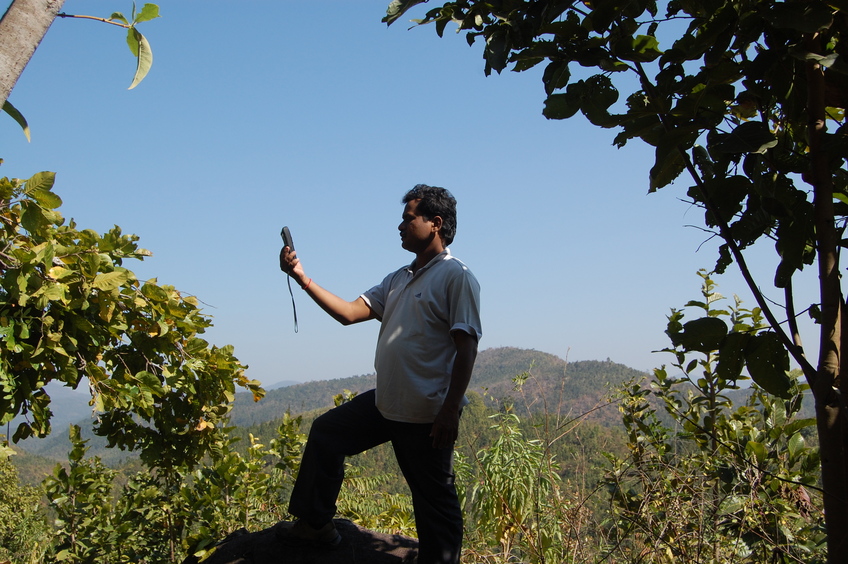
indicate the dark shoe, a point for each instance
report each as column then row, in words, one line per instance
column 300, row 532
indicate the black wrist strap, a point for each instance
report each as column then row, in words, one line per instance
column 294, row 306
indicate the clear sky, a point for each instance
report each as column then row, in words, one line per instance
column 260, row 114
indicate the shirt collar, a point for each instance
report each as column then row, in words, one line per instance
column 441, row 256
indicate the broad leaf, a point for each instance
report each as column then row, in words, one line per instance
column 563, row 106
column 749, row 137
column 148, row 12
column 668, row 166
column 39, row 181
column 144, row 54
column 702, row 335
column 111, row 280
column 768, row 364
column 731, row 356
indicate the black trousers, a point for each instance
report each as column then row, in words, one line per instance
column 356, row 426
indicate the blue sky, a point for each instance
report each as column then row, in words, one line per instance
column 260, row 114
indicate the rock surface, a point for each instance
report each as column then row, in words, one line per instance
column 358, row 546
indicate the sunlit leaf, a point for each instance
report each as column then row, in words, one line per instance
column 111, row 280
column 148, row 12
column 40, row 181
column 144, row 54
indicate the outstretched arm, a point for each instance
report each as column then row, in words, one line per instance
column 446, row 426
column 341, row 310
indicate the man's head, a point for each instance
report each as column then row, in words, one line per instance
column 435, row 202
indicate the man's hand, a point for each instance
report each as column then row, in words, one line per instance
column 290, row 264
column 445, row 427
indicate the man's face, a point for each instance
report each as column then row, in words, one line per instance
column 416, row 232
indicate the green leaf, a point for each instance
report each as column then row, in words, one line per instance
column 17, row 116
column 118, row 16
column 598, row 95
column 40, row 181
column 749, row 137
column 397, row 8
column 795, row 444
column 143, row 53
column 668, row 166
column 564, row 106
column 110, row 280
column 641, row 49
column 153, row 292
column 806, row 17
column 148, row 12
column 556, row 76
column 731, row 356
column 47, row 199
column 703, row 335
column 768, row 364
column 757, row 449
column 33, row 219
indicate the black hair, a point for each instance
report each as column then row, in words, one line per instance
column 434, row 202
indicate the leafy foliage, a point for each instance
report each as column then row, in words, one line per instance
column 70, row 310
column 721, row 483
column 24, row 533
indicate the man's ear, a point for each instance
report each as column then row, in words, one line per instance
column 437, row 226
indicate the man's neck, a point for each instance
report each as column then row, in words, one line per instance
column 424, row 257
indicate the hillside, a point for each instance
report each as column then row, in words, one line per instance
column 553, row 386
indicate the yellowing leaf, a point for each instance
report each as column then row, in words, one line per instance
column 59, row 272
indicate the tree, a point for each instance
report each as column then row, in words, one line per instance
column 737, row 94
column 71, row 312
column 21, row 30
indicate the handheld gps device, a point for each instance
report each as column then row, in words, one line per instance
column 288, row 242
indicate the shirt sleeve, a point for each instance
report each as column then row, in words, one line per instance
column 464, row 296
column 376, row 297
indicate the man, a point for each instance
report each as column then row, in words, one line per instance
column 430, row 315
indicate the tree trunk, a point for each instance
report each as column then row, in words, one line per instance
column 830, row 417
column 21, row 30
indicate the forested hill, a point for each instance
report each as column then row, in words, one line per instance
column 552, row 384
column 572, row 388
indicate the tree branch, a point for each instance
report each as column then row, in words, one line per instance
column 795, row 350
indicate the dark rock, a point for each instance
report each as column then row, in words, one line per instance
column 358, row 546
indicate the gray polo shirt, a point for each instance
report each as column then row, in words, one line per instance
column 415, row 351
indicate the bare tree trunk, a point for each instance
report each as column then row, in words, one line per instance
column 830, row 417
column 21, row 30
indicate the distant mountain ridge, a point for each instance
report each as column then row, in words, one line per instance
column 552, row 384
